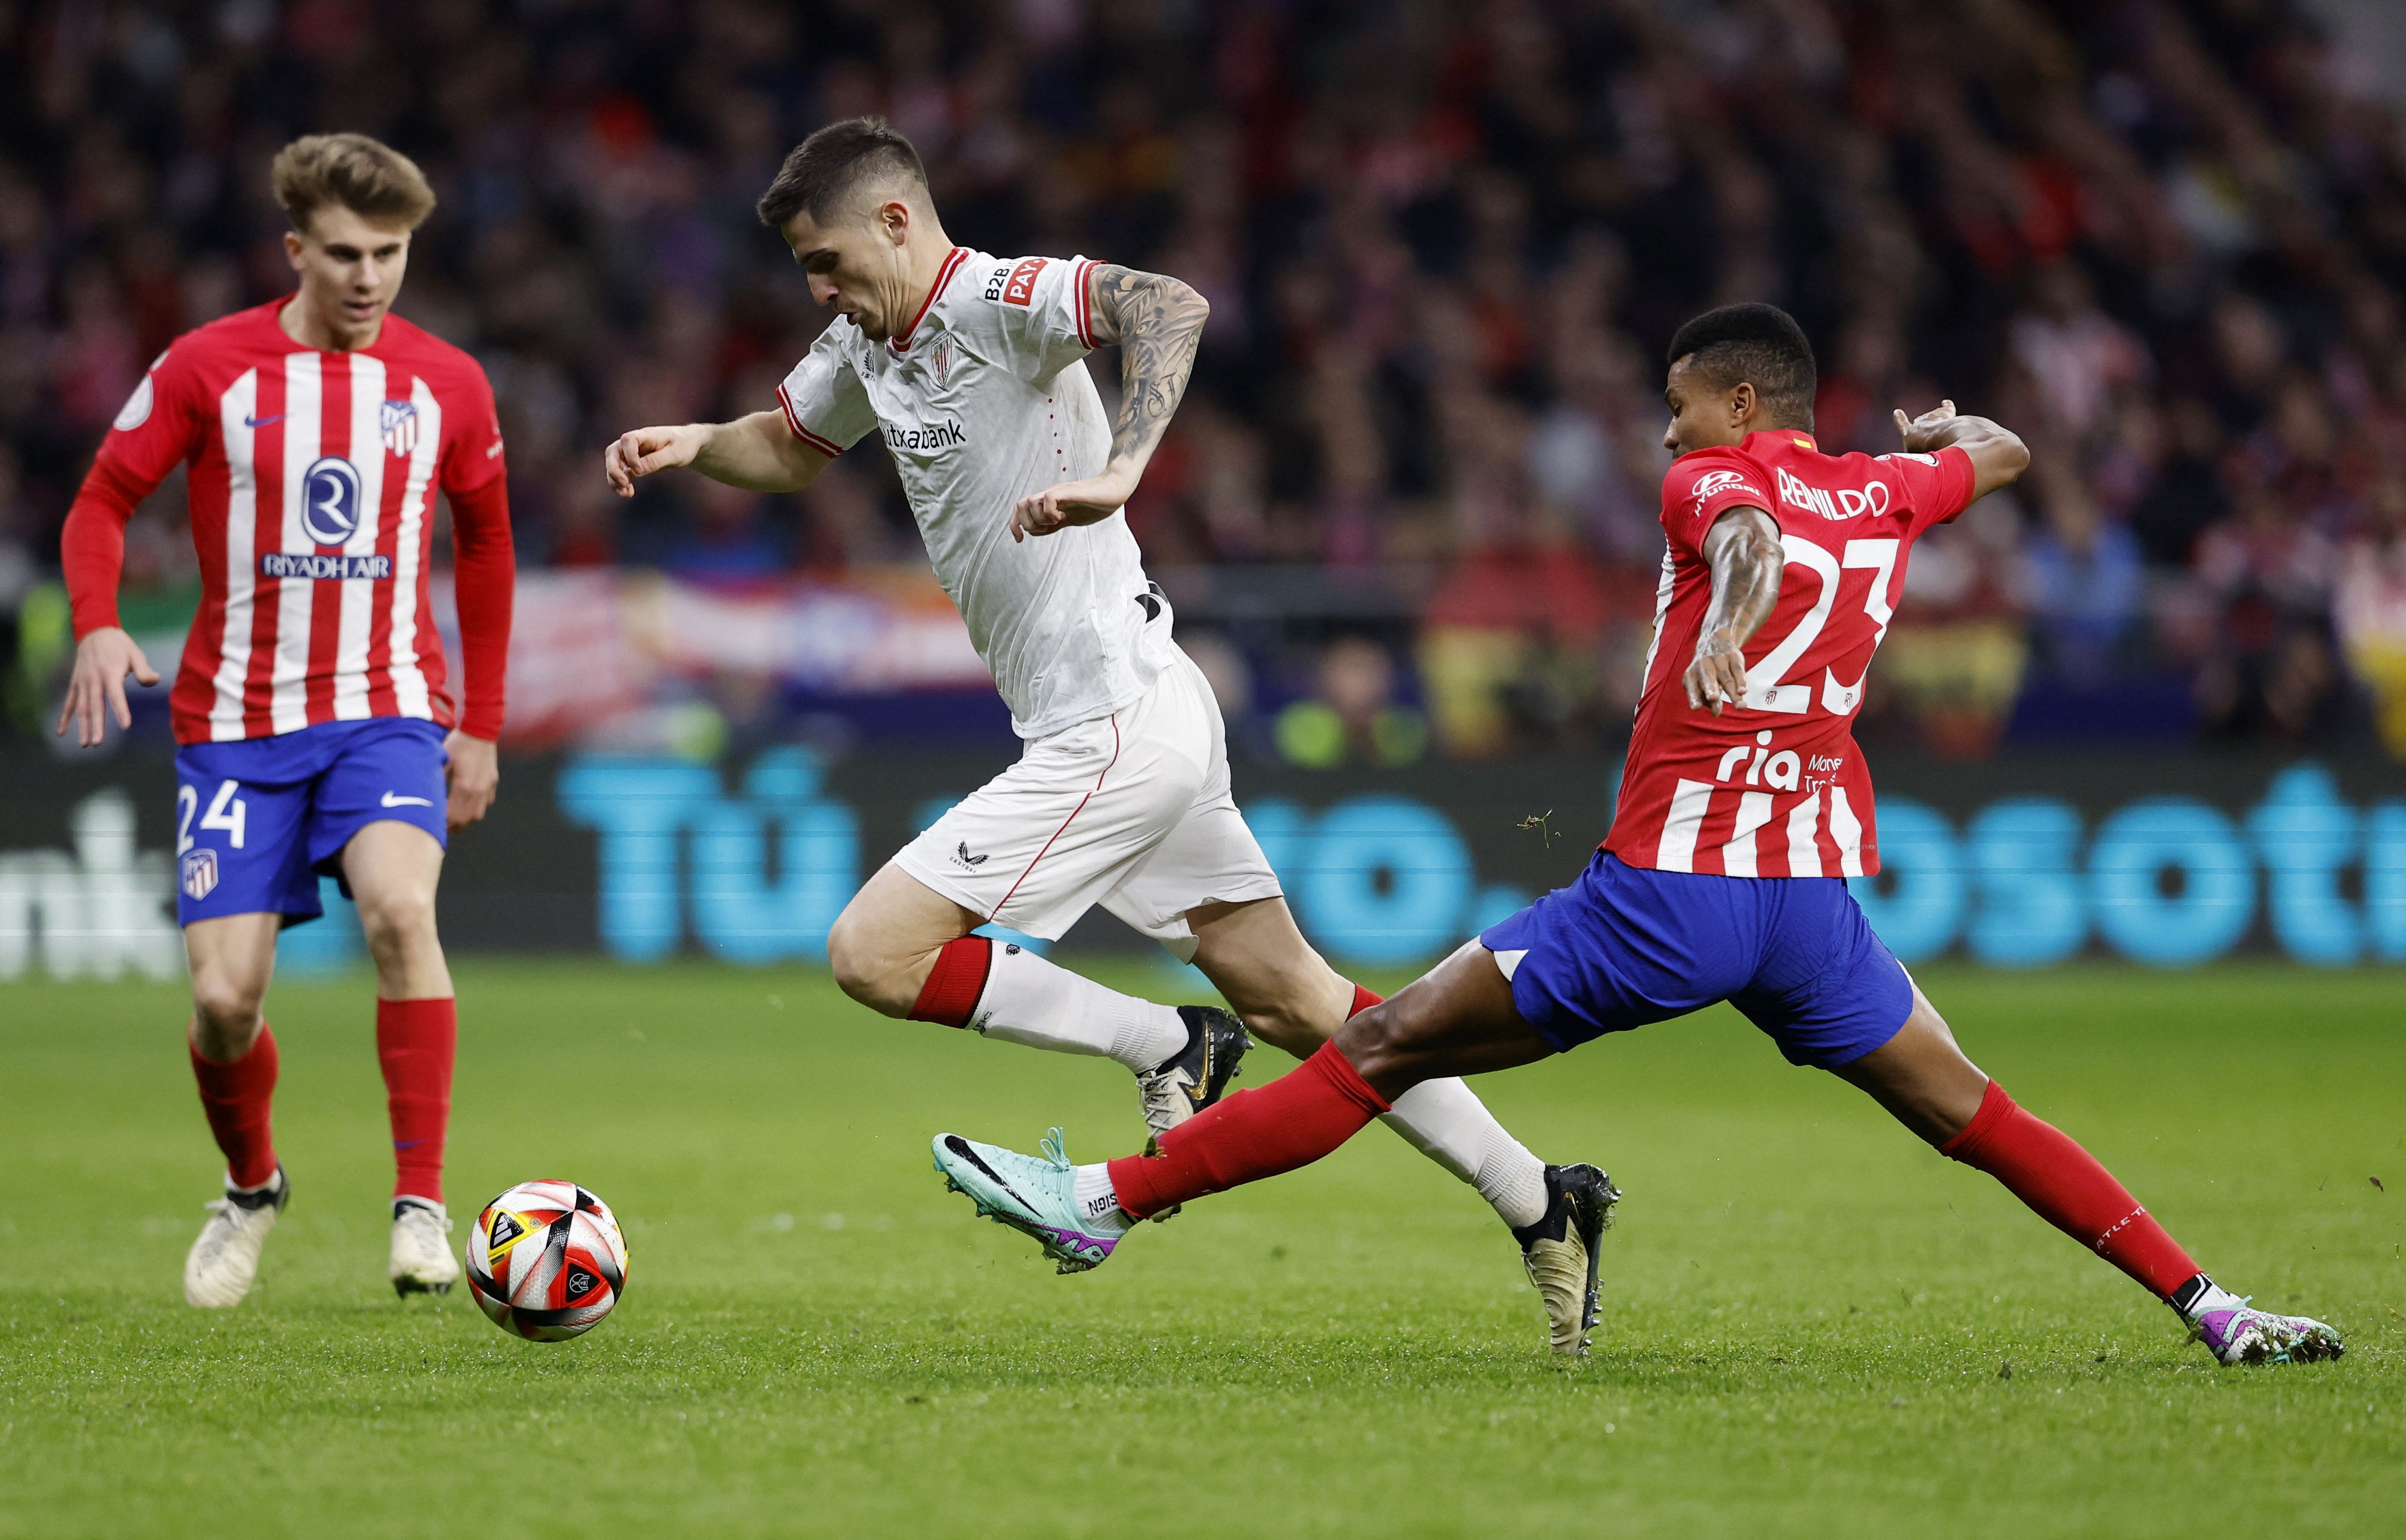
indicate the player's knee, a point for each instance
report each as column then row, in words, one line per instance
column 1376, row 1042
column 397, row 920
column 228, row 1008
column 1282, row 1023
column 861, row 969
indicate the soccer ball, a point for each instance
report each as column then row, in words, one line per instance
column 547, row 1261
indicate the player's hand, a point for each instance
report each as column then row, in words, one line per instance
column 1929, row 431
column 648, row 449
column 1717, row 676
column 472, row 771
column 97, row 689
column 1087, row 502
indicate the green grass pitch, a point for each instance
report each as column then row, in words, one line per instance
column 1809, row 1318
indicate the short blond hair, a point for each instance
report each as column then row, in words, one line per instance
column 371, row 179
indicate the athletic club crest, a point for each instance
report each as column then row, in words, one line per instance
column 942, row 359
column 399, row 421
column 199, row 874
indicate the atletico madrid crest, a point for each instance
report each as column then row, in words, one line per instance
column 199, row 874
column 399, row 421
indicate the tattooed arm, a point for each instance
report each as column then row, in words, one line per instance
column 1158, row 322
column 1743, row 550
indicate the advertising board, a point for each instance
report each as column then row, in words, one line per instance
column 2023, row 863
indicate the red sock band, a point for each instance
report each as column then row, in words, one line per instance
column 1362, row 1000
column 236, row 1098
column 415, row 1043
column 2065, row 1186
column 950, row 996
column 1292, row 1122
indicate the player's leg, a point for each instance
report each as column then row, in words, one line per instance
column 906, row 951
column 1031, row 850
column 1545, row 980
column 378, row 821
column 1458, row 1019
column 1923, row 1078
column 241, row 871
column 1289, row 997
column 1207, row 894
column 233, row 1061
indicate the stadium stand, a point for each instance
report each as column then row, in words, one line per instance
column 1410, row 505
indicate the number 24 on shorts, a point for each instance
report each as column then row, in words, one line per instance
column 226, row 811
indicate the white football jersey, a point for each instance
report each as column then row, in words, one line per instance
column 984, row 399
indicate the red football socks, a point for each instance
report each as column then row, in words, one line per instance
column 416, row 1041
column 1292, row 1122
column 235, row 1096
column 950, row 996
column 1362, row 1000
column 2063, row 1184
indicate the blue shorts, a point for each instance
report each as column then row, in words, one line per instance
column 258, row 821
column 1623, row 947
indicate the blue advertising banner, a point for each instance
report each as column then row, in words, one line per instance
column 2019, row 864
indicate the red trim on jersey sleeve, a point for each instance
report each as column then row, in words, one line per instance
column 484, row 569
column 1085, row 302
column 824, row 446
column 901, row 340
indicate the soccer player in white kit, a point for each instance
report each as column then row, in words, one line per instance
column 970, row 366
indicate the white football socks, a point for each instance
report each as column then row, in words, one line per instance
column 1097, row 1202
column 1445, row 1120
column 1029, row 1000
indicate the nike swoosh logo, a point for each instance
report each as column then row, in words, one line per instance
column 392, row 801
column 261, row 422
column 959, row 1146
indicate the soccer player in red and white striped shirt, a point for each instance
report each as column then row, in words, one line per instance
column 314, row 732
column 1744, row 804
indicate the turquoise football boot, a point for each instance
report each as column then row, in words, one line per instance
column 1031, row 1195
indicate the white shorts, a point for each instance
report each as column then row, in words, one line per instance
column 1130, row 811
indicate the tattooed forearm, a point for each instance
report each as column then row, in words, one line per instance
column 1743, row 548
column 1158, row 324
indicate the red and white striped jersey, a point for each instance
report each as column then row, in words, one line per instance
column 1776, row 787
column 312, row 484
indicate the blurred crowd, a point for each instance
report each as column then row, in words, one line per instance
column 1410, row 505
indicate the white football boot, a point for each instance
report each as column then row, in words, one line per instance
column 422, row 1261
column 223, row 1261
column 2235, row 1332
column 1196, row 1076
column 1193, row 1078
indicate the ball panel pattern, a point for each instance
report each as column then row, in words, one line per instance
column 547, row 1261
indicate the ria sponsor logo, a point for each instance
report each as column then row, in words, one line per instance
column 330, row 567
column 1842, row 503
column 927, row 435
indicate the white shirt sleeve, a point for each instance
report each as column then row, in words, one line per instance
column 1043, row 308
column 824, row 401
